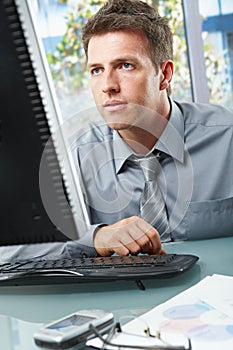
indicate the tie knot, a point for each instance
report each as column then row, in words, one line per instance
column 149, row 166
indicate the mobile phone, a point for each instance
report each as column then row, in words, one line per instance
column 73, row 329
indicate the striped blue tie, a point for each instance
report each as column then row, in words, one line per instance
column 152, row 205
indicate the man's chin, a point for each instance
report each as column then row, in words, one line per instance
column 118, row 126
column 117, row 120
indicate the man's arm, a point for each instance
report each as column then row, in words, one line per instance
column 128, row 236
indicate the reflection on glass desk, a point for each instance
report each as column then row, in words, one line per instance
column 17, row 334
column 33, row 306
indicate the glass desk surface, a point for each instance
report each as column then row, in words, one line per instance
column 24, row 309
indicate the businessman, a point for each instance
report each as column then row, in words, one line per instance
column 129, row 54
column 154, row 170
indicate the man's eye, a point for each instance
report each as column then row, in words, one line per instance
column 127, row 66
column 95, row 71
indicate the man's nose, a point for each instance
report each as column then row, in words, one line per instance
column 110, row 82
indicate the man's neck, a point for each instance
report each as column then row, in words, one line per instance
column 139, row 142
column 143, row 139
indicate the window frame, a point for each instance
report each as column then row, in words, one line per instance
column 195, row 51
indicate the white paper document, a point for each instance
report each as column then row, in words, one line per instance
column 202, row 313
column 220, row 293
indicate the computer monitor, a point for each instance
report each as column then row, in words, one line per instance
column 40, row 197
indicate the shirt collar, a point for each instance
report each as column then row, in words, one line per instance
column 121, row 151
column 170, row 142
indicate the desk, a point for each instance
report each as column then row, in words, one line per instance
column 40, row 304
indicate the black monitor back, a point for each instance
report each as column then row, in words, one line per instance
column 24, row 132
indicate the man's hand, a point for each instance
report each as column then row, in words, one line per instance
column 128, row 236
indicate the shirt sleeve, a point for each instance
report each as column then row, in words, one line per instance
column 84, row 246
column 51, row 251
column 44, row 251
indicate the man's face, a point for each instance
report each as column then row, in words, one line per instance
column 123, row 77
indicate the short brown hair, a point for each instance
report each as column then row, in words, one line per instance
column 133, row 15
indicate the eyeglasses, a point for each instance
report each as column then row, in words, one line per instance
column 162, row 343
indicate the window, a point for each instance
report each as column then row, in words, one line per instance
column 217, row 29
column 60, row 24
column 203, row 67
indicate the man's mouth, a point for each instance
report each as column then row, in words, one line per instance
column 114, row 105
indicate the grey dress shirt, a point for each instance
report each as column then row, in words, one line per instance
column 196, row 177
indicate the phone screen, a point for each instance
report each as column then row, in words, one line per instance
column 75, row 320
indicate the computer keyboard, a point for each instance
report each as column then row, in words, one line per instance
column 95, row 269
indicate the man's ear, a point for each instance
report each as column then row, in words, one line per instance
column 167, row 69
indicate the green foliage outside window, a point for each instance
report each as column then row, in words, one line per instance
column 68, row 63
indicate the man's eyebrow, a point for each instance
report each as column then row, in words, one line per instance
column 114, row 61
column 92, row 65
